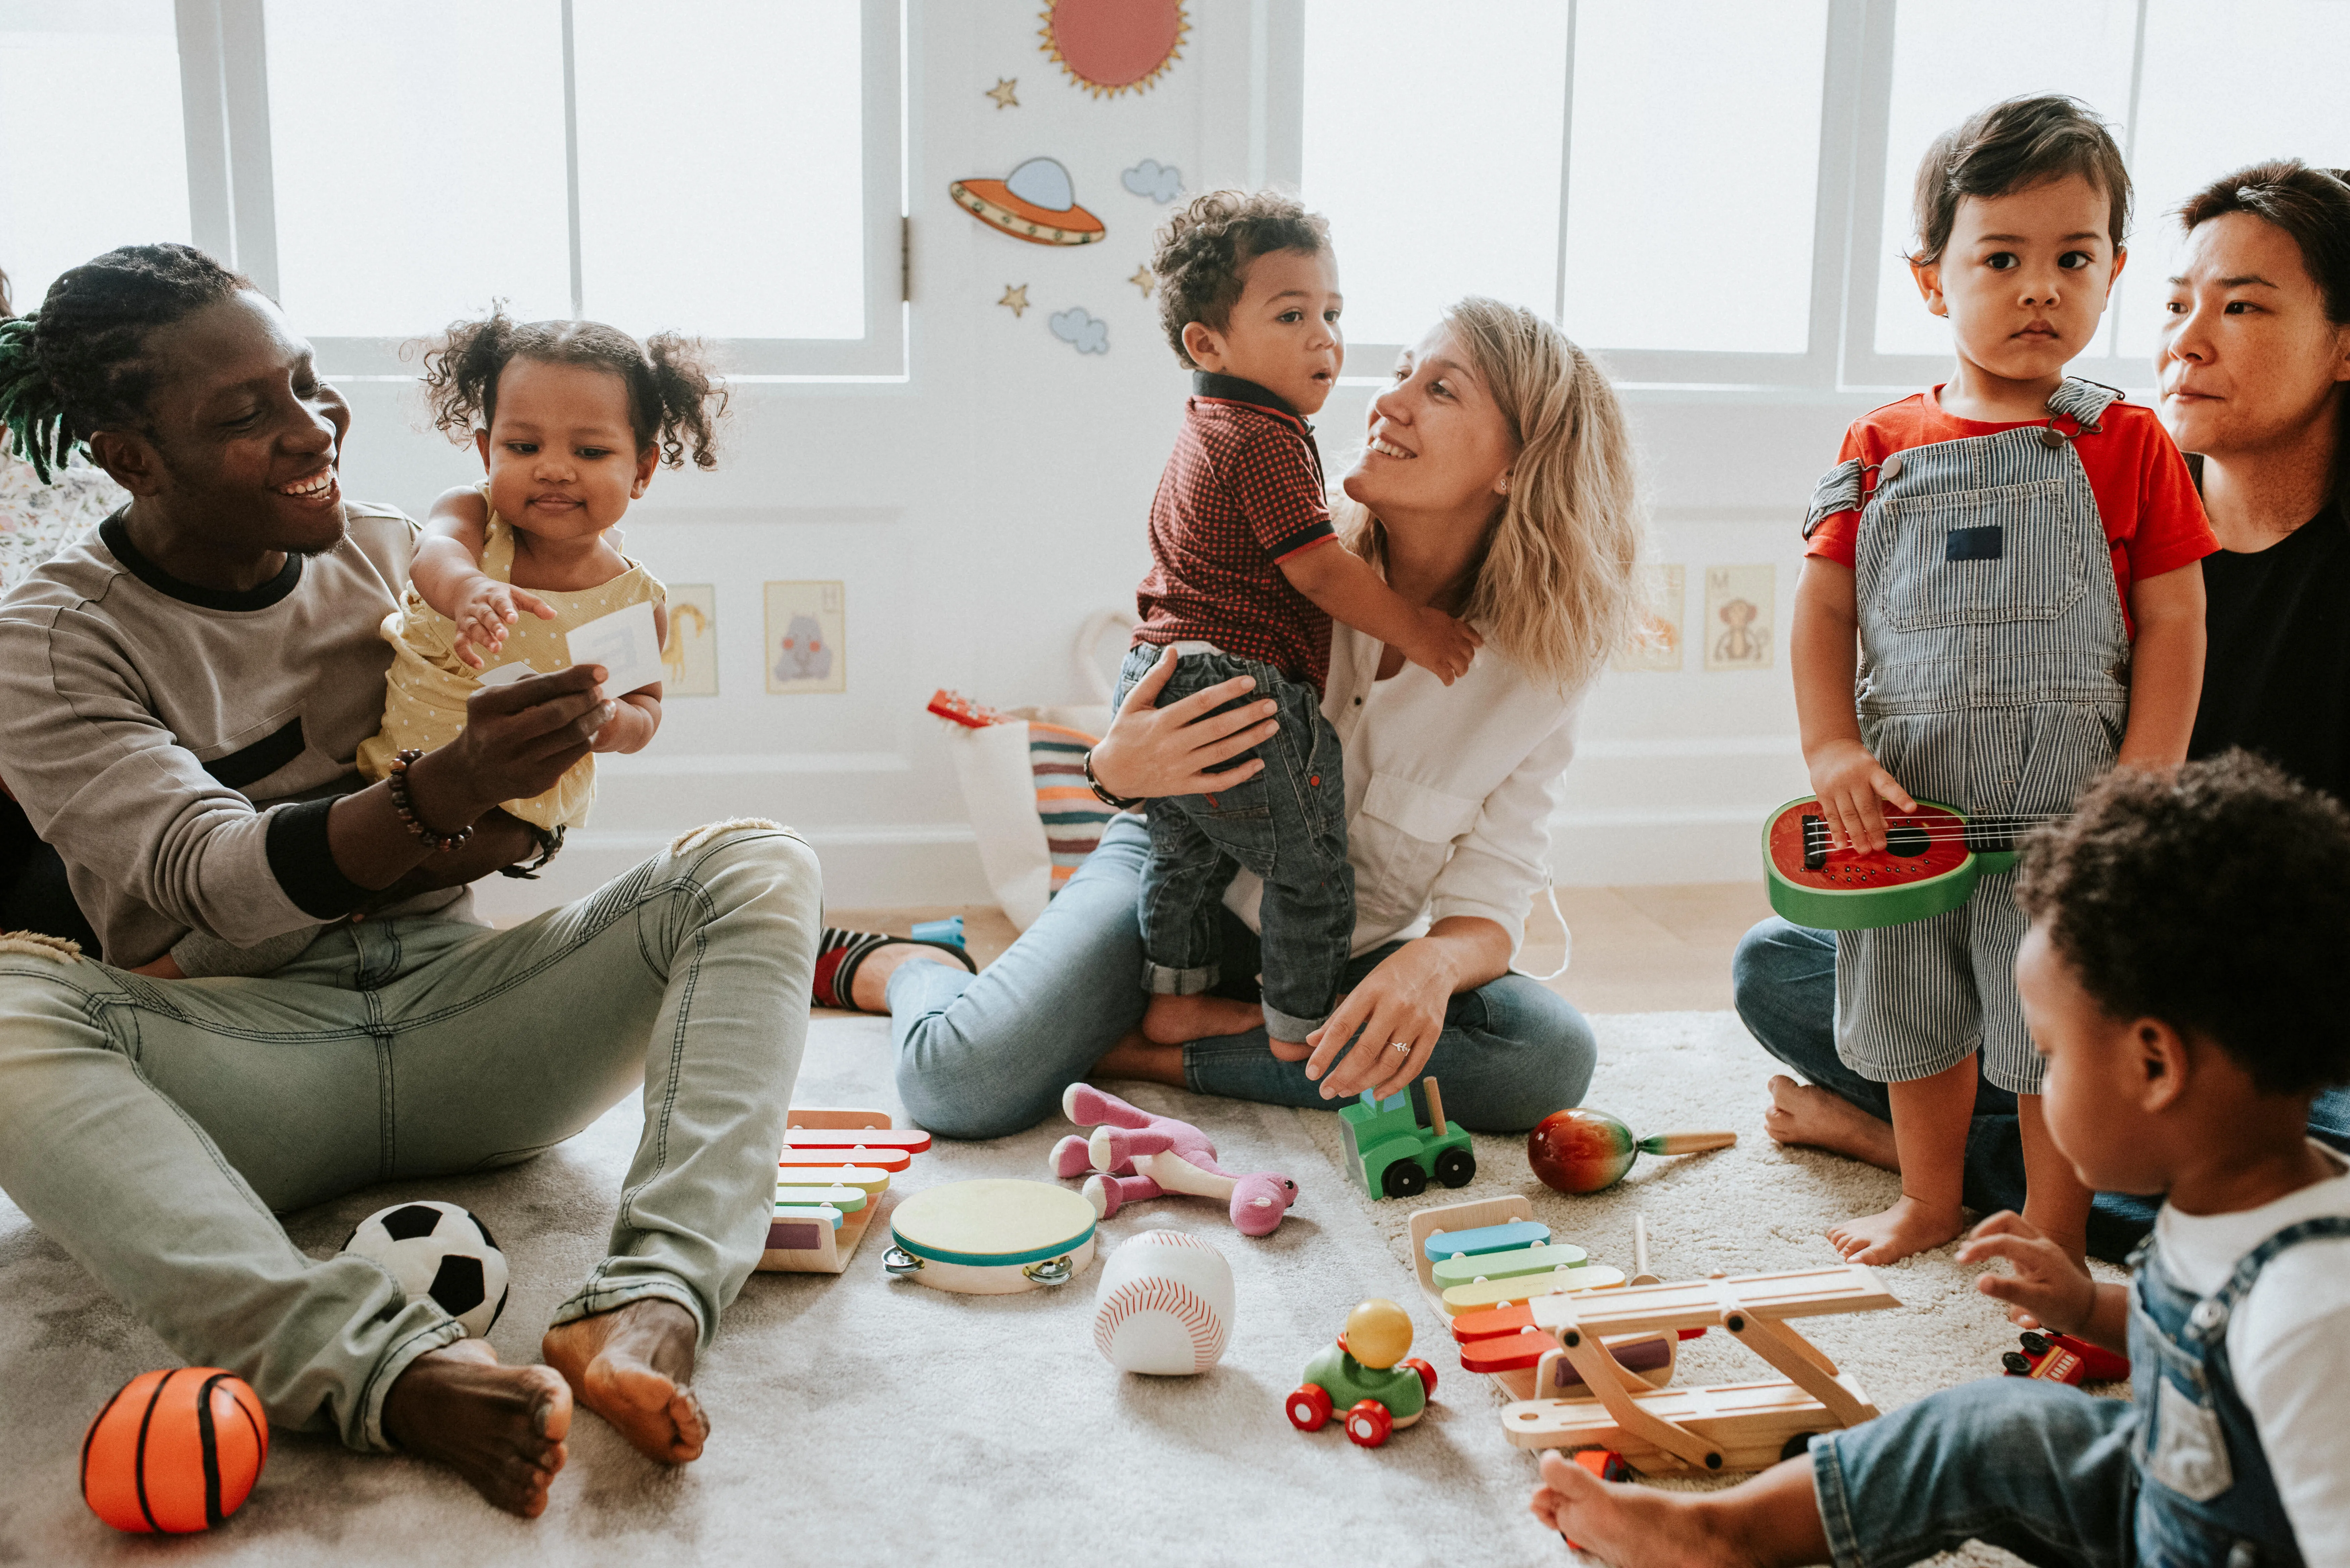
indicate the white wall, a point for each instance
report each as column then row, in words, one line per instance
column 980, row 511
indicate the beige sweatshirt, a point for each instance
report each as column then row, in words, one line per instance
column 181, row 746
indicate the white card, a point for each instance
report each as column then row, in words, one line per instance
column 626, row 643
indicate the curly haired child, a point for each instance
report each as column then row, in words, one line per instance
column 2014, row 554
column 2184, row 982
column 1246, row 575
column 571, row 419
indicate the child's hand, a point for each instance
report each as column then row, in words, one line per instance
column 1853, row 792
column 1444, row 645
column 485, row 608
column 2046, row 1289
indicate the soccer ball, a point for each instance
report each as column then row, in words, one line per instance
column 440, row 1251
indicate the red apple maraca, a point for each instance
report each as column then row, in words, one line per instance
column 1581, row 1150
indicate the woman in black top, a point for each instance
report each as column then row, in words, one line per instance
column 2254, row 370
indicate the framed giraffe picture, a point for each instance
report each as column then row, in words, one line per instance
column 689, row 658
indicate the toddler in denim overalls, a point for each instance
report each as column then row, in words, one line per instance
column 1988, row 543
column 2168, row 1070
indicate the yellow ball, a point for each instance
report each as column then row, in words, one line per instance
column 1378, row 1332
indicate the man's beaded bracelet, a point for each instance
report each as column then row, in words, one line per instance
column 398, row 779
column 1103, row 794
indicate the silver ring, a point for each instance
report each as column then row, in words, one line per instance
column 1402, row 1046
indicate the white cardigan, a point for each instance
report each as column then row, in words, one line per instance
column 1450, row 791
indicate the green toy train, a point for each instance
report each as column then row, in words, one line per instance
column 1393, row 1156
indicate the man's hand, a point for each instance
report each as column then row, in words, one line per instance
column 484, row 608
column 1854, row 792
column 499, row 839
column 1442, row 645
column 517, row 740
column 2046, row 1289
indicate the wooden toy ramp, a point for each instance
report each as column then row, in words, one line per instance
column 1712, row 1429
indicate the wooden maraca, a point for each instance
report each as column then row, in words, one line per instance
column 1581, row 1150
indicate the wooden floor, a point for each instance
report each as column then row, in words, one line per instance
column 1637, row 950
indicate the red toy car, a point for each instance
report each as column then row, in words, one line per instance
column 2060, row 1358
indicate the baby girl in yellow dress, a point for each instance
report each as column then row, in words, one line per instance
column 571, row 419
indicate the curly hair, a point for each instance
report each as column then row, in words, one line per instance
column 674, row 401
column 1200, row 258
column 79, row 364
column 2217, row 901
column 2012, row 146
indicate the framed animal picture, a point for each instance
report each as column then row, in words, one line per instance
column 805, row 622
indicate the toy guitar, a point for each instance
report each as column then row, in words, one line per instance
column 1931, row 860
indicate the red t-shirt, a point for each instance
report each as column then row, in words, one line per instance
column 1242, row 493
column 2153, row 517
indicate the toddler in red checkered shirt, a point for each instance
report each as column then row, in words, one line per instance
column 1246, row 575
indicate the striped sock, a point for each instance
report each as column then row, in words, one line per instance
column 839, row 954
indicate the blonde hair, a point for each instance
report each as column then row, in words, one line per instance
column 1554, row 585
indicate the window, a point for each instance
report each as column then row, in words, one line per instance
column 726, row 168
column 1718, row 193
column 1647, row 173
column 90, row 106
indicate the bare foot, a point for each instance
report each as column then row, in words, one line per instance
column 634, row 1367
column 1179, row 1020
column 1136, row 1057
column 1288, row 1050
column 501, row 1428
column 1808, row 1114
column 1910, row 1226
column 870, row 989
column 1625, row 1524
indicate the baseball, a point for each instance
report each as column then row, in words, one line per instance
column 1165, row 1306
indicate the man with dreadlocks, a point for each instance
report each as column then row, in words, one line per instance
column 182, row 693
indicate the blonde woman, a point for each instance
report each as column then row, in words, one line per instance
column 1495, row 484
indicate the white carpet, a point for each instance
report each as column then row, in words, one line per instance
column 858, row 1417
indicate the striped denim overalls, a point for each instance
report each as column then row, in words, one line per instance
column 1994, row 678
column 2206, row 1497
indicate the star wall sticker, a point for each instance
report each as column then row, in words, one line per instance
column 1143, row 280
column 1003, row 93
column 1015, row 300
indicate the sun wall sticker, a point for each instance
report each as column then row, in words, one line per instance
column 1111, row 47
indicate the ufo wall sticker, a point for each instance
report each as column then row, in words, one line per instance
column 1034, row 202
column 1111, row 47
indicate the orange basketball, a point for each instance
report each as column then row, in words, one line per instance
column 174, row 1451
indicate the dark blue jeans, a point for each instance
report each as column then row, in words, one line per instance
column 1287, row 824
column 1784, row 982
column 985, row 1056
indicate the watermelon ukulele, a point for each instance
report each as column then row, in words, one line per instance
column 1930, row 862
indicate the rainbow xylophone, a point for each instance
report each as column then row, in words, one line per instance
column 829, row 1179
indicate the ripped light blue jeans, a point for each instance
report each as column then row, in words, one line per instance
column 985, row 1056
column 155, row 1128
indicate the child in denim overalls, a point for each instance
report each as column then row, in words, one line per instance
column 1246, row 575
column 1991, row 542
column 2184, row 979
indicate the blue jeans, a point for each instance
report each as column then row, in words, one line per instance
column 988, row 1054
column 1783, row 980
column 2038, row 1468
column 1288, row 825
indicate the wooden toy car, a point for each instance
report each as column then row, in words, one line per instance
column 1392, row 1156
column 2060, row 1358
column 1365, row 1375
column 1723, row 1427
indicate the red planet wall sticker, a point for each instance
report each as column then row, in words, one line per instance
column 1111, row 47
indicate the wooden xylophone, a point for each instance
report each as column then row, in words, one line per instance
column 834, row 1169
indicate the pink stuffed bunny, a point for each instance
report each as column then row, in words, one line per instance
column 1134, row 1155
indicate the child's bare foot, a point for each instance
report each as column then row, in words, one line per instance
column 1625, row 1524
column 1910, row 1226
column 501, row 1428
column 1179, row 1020
column 1289, row 1050
column 1808, row 1114
column 634, row 1367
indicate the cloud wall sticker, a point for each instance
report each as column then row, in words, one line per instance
column 1160, row 182
column 1082, row 330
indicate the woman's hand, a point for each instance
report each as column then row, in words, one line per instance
column 1401, row 1003
column 1151, row 751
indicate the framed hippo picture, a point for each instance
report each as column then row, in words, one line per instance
column 805, row 628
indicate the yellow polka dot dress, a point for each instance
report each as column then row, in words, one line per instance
column 426, row 688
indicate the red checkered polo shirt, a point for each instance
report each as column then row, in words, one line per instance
column 1243, row 491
